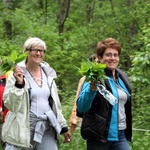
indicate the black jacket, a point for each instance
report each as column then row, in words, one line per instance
column 96, row 120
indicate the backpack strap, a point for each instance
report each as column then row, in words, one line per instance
column 2, row 86
column 74, row 114
column 80, row 86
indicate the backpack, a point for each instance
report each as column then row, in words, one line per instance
column 2, row 87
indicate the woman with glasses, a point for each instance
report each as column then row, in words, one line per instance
column 107, row 125
column 35, row 117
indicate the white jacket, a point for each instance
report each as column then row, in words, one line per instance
column 16, row 129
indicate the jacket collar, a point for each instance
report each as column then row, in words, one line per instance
column 118, row 74
column 108, row 72
column 49, row 71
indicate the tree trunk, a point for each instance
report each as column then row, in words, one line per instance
column 89, row 10
column 63, row 15
column 8, row 4
column 132, row 27
column 7, row 24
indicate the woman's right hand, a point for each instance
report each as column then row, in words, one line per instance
column 18, row 74
column 93, row 86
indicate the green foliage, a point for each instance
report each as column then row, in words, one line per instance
column 141, row 61
column 77, row 142
column 11, row 60
column 87, row 23
column 140, row 143
column 139, row 77
column 92, row 71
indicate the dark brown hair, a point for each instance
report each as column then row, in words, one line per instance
column 93, row 57
column 107, row 43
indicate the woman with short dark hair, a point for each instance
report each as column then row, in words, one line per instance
column 107, row 126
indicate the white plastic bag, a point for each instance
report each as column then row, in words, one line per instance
column 107, row 95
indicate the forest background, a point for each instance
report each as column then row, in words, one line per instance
column 71, row 30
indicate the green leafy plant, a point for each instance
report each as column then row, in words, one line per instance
column 8, row 62
column 92, row 71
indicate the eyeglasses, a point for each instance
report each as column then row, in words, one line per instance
column 35, row 50
column 110, row 55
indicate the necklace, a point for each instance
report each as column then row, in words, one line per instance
column 38, row 80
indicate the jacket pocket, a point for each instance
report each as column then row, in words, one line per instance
column 6, row 125
column 94, row 127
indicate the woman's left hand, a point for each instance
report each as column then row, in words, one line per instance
column 67, row 137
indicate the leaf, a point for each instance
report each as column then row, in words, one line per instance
column 20, row 58
column 11, row 60
column 92, row 71
column 13, row 56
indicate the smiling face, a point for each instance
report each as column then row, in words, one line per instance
column 110, row 58
column 36, row 54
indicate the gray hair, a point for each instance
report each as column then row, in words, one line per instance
column 33, row 41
